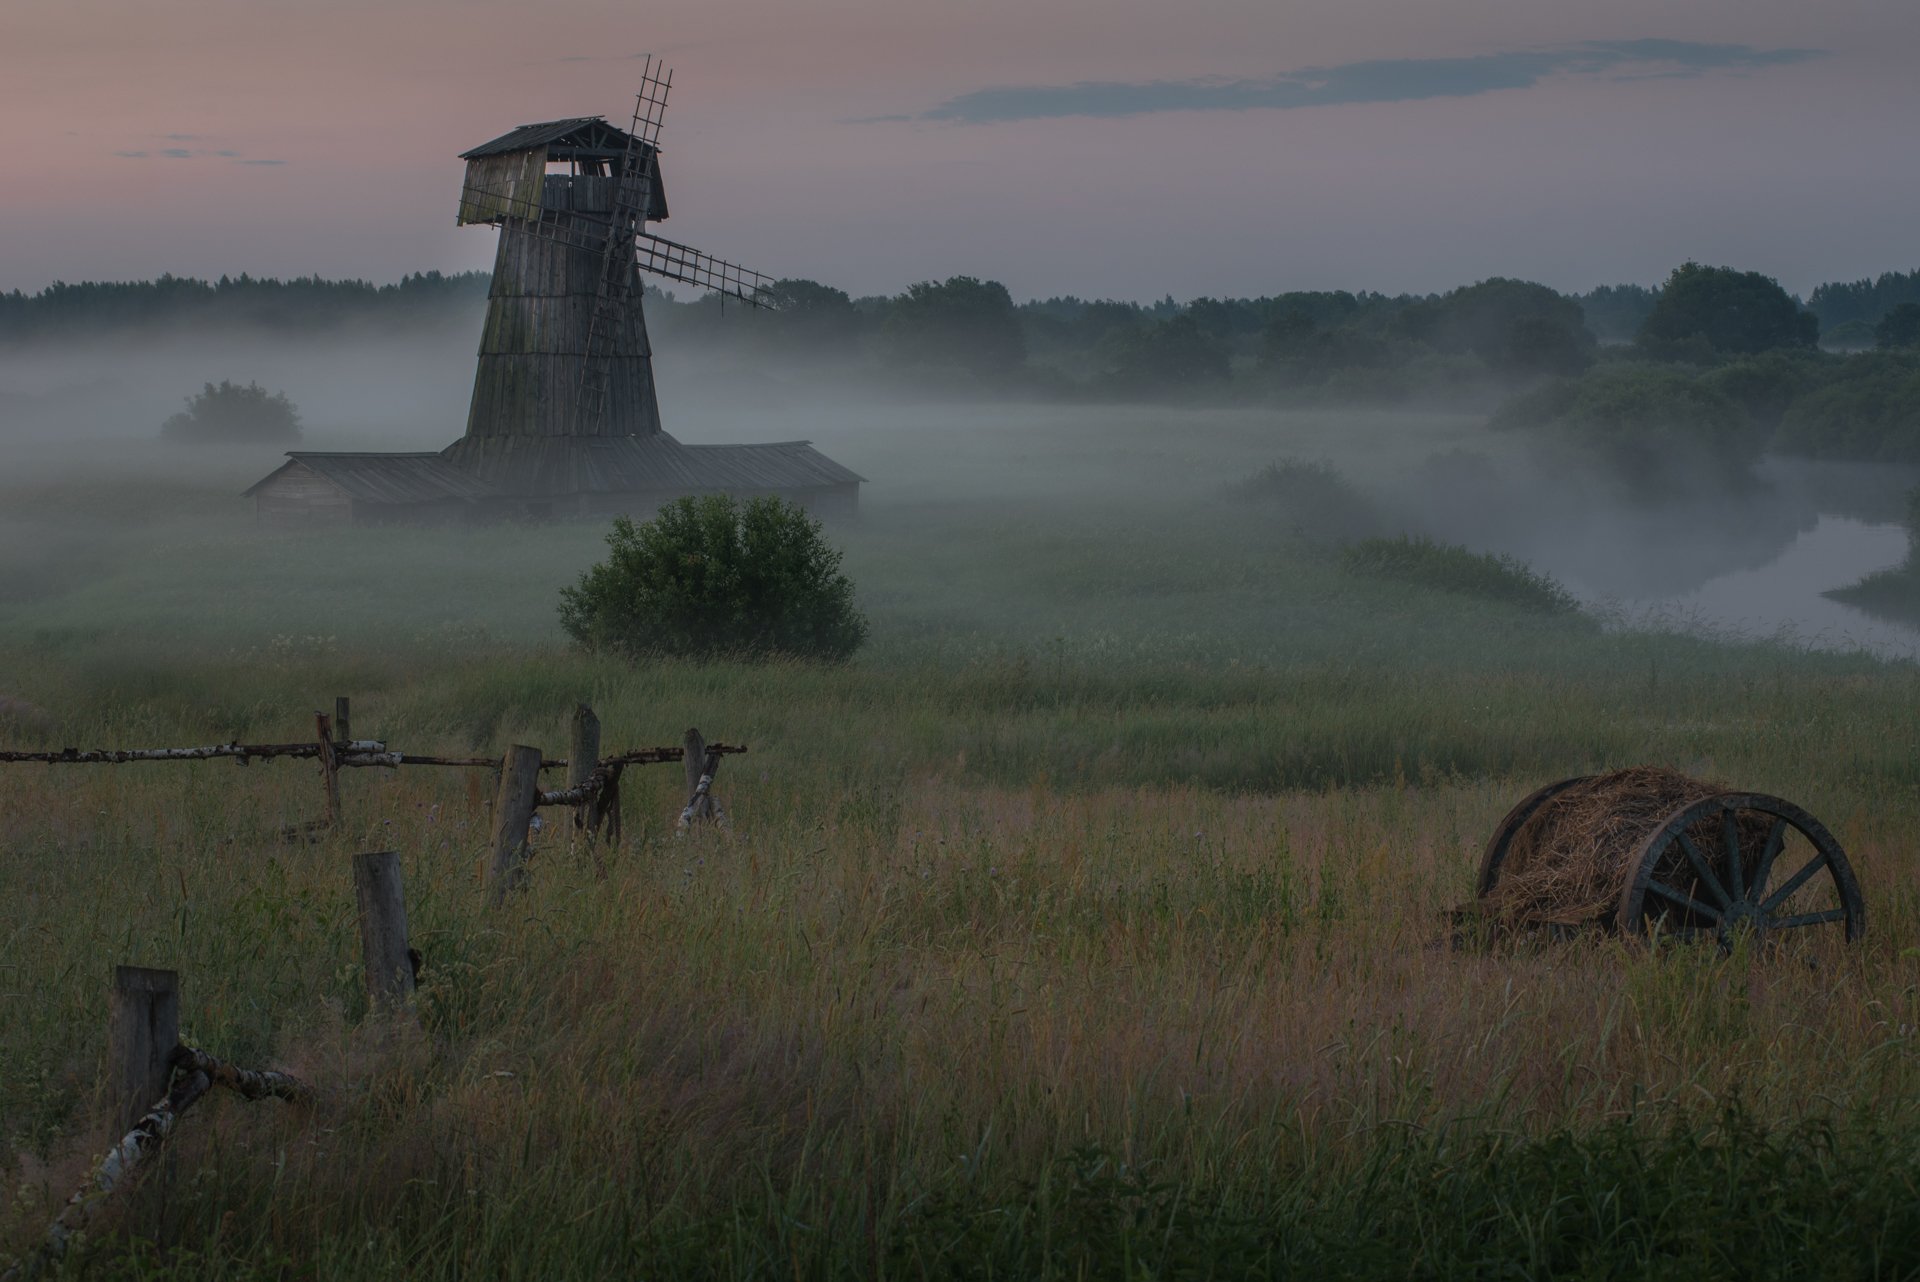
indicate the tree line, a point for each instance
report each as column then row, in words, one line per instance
column 1714, row 359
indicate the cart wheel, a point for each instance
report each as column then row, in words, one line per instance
column 1741, row 861
column 1496, row 852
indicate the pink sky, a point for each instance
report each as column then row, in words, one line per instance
column 1793, row 163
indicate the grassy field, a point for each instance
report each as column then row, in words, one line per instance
column 1088, row 925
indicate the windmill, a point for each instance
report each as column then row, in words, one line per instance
column 564, row 418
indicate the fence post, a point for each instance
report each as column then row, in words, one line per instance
column 513, row 805
column 582, row 756
column 383, row 929
column 143, row 1029
column 342, row 722
column 329, row 768
column 701, row 767
column 695, row 760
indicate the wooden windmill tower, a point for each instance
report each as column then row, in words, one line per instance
column 564, row 419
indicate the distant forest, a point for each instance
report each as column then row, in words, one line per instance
column 1713, row 360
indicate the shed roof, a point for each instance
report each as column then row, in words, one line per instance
column 386, row 478
column 537, row 466
column 577, row 133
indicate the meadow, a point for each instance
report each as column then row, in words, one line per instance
column 1092, row 923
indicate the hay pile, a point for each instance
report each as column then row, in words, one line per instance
column 1568, row 863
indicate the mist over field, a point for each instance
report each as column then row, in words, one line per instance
column 90, row 486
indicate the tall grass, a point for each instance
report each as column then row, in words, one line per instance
column 981, row 981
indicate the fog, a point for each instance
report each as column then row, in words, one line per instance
column 85, row 476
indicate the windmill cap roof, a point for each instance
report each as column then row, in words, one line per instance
column 587, row 132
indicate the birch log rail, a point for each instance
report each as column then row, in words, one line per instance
column 193, row 1074
column 357, row 752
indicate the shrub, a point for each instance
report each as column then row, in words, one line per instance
column 1449, row 567
column 1765, row 385
column 1869, row 410
column 1640, row 420
column 231, row 412
column 1310, row 498
column 714, row 576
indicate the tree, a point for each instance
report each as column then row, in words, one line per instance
column 1515, row 326
column 1173, row 354
column 1716, row 311
column 809, row 314
column 963, row 321
column 713, row 576
column 231, row 412
column 1899, row 327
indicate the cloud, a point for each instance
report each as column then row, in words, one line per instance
column 131, row 154
column 176, row 153
column 261, row 162
column 181, row 137
column 1382, row 80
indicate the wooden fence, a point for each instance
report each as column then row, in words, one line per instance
column 154, row 1079
column 592, row 789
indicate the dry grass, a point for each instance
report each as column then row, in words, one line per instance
column 882, row 986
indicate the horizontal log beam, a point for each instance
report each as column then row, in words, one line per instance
column 359, row 752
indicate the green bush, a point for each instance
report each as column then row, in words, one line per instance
column 231, row 412
column 1869, row 410
column 1765, row 385
column 713, row 576
column 1449, row 567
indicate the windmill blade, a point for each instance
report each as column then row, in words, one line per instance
column 650, row 104
column 691, row 266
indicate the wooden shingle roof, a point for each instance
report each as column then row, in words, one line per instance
column 386, row 478
column 550, row 466
column 577, row 133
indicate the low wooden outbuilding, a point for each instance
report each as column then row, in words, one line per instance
column 317, row 488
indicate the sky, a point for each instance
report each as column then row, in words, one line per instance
column 1103, row 148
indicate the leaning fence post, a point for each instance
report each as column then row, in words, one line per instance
column 329, row 768
column 383, row 929
column 143, row 1029
column 513, row 805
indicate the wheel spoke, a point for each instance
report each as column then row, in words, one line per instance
column 1776, row 840
column 1691, row 904
column 1730, row 838
column 1704, row 871
column 1794, row 883
column 1808, row 919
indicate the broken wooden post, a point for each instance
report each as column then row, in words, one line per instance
column 582, row 757
column 513, row 805
column 383, row 929
column 342, row 725
column 694, row 746
column 143, row 1029
column 329, row 768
